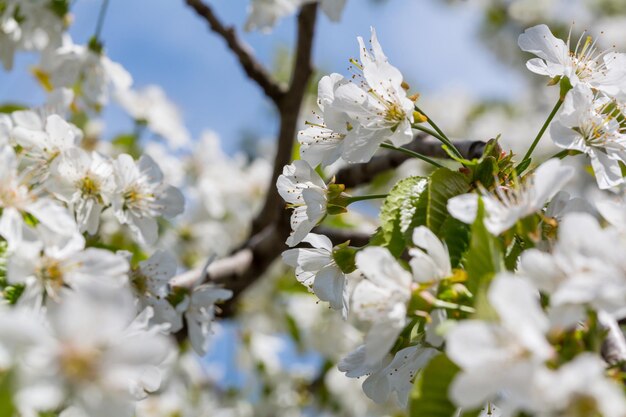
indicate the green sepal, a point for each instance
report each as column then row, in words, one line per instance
column 484, row 257
column 564, row 86
column 344, row 256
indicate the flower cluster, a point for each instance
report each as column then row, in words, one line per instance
column 485, row 274
column 89, row 305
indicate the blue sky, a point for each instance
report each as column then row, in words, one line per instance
column 163, row 42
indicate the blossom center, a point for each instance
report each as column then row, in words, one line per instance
column 79, row 364
column 89, row 186
column 50, row 272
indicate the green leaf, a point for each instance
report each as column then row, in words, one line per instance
column 12, row 293
column 60, row 7
column 471, row 413
column 419, row 201
column 129, row 143
column 486, row 171
column 398, row 210
column 11, row 107
column 7, row 408
column 432, row 210
column 430, row 392
column 484, row 257
column 456, row 234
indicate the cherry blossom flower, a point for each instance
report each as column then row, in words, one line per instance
column 509, row 204
column 54, row 262
column 586, row 65
column 86, row 183
column 588, row 124
column 381, row 299
column 585, row 269
column 325, row 140
column 316, row 269
column 150, row 283
column 141, row 196
column 17, row 197
column 150, row 105
column 71, row 65
column 376, row 104
column 201, row 312
column 43, row 138
column 399, row 374
column 103, row 368
column 28, row 26
column 504, row 355
column 264, row 14
column 579, row 388
column 304, row 190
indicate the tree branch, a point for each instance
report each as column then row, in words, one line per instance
column 289, row 109
column 358, row 174
column 614, row 346
column 248, row 61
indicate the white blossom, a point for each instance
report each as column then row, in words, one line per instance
column 586, row 65
column 28, row 26
column 43, row 138
column 585, row 269
column 201, row 312
column 305, row 191
column 54, row 262
column 430, row 260
column 375, row 103
column 17, row 197
column 588, row 124
column 150, row 105
column 398, row 376
column 504, row 355
column 264, row 14
column 509, row 204
column 578, row 388
column 98, row 353
column 141, row 196
column 86, row 183
column 150, row 284
column 381, row 299
column 71, row 65
column 317, row 269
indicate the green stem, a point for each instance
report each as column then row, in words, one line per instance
column 429, row 131
column 351, row 200
column 442, row 136
column 556, row 108
column 413, row 154
column 101, row 16
column 562, row 154
column 453, row 306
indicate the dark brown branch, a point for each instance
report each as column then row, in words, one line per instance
column 359, row 174
column 338, row 236
column 250, row 64
column 271, row 227
column 289, row 110
column 245, row 266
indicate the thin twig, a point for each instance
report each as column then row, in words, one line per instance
column 253, row 68
column 359, row 174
